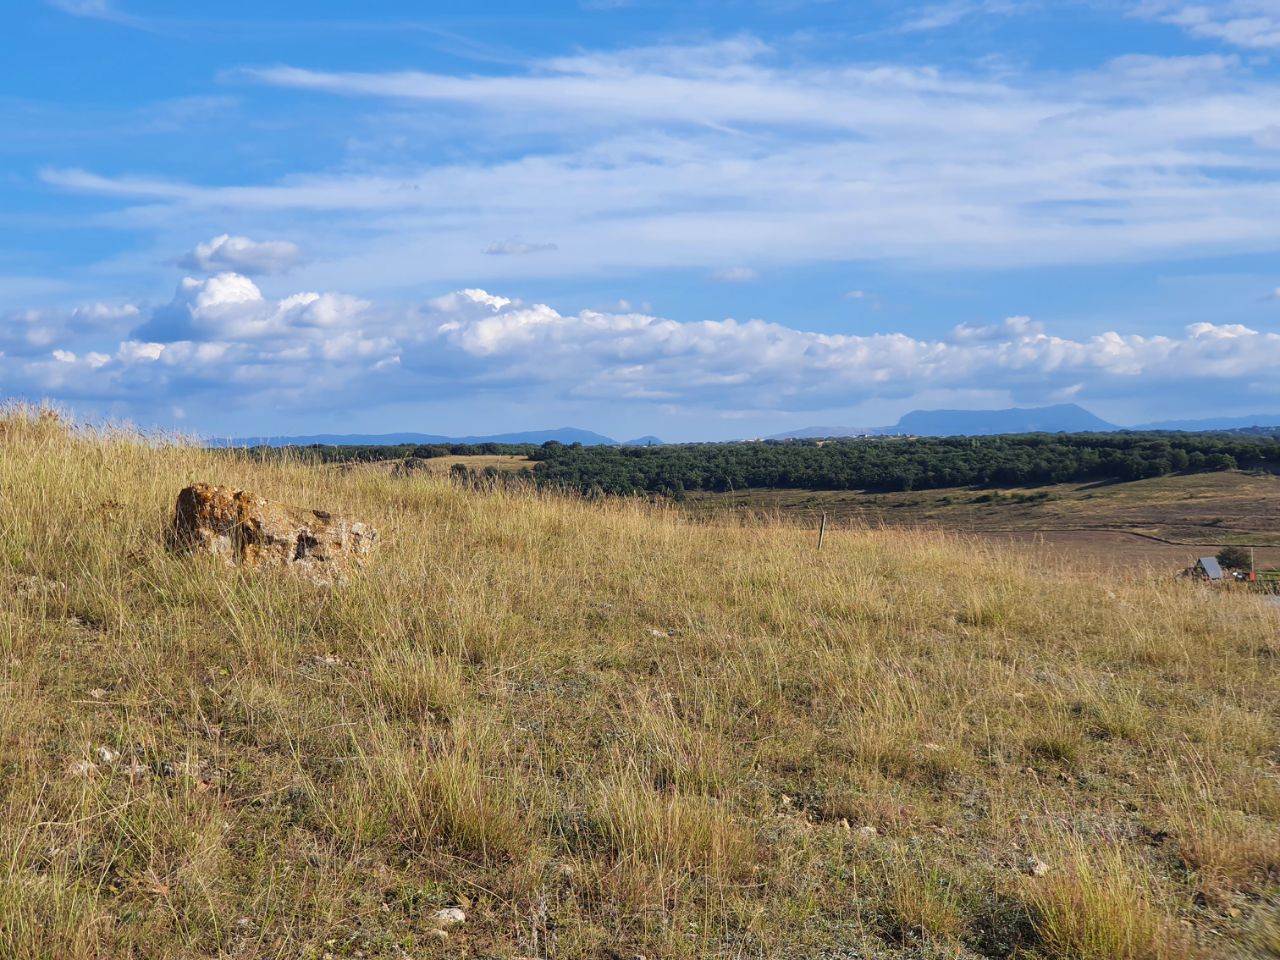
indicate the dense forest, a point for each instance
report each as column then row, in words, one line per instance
column 879, row 464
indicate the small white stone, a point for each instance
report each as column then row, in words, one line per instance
column 449, row 917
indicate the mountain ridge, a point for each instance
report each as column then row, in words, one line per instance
column 560, row 434
column 1057, row 418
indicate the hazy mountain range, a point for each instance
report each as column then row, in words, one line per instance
column 563, row 435
column 1061, row 418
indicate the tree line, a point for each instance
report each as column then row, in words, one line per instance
column 881, row 464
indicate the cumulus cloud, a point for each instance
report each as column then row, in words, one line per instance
column 506, row 248
column 230, row 307
column 242, row 255
column 220, row 341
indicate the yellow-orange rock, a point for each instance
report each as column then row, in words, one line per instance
column 251, row 531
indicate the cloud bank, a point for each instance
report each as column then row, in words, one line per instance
column 221, row 341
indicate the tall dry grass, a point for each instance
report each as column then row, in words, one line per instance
column 604, row 731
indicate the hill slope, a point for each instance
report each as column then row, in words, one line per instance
column 601, row 731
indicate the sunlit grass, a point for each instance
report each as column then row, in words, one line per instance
column 599, row 727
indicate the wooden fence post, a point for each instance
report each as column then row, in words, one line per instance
column 822, row 530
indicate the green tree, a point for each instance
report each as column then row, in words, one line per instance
column 1235, row 558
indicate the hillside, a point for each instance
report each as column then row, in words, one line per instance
column 604, row 731
column 1162, row 522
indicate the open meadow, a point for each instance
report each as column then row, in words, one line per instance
column 605, row 729
column 1159, row 525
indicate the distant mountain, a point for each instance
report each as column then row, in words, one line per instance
column 563, row 435
column 1215, row 423
column 642, row 442
column 1062, row 418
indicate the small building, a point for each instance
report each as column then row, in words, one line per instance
column 1208, row 568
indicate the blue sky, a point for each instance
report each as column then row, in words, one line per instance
column 697, row 219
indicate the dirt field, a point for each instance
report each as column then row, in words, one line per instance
column 1163, row 523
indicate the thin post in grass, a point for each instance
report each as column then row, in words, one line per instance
column 822, row 530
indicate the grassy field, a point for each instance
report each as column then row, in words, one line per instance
column 1161, row 523
column 602, row 730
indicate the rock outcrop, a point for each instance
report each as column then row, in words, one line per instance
column 250, row 531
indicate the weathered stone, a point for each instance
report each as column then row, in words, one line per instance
column 250, row 531
column 449, row 917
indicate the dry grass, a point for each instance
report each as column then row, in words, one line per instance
column 606, row 731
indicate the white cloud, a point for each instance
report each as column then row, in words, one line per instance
column 104, row 312
column 1251, row 24
column 735, row 275
column 242, row 255
column 1009, row 328
column 517, row 248
column 221, row 342
column 734, row 153
column 229, row 306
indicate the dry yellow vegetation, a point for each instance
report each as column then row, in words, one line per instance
column 604, row 731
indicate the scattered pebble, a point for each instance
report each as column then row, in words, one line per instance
column 449, row 917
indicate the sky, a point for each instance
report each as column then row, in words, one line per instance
column 695, row 219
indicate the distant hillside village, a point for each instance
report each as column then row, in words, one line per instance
column 1235, row 566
